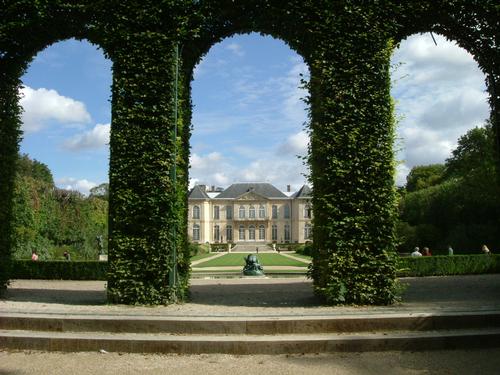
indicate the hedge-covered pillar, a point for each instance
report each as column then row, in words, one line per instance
column 352, row 167
column 145, row 206
column 9, row 144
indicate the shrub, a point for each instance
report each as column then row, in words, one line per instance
column 59, row 270
column 449, row 265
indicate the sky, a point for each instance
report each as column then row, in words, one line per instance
column 249, row 116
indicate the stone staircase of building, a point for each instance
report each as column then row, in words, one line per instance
column 248, row 335
column 251, row 247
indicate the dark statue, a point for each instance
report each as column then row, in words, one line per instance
column 100, row 245
column 252, row 266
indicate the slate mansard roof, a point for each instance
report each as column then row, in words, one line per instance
column 197, row 192
column 304, row 192
column 263, row 189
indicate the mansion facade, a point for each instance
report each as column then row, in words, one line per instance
column 249, row 213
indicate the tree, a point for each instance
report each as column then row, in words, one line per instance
column 474, row 158
column 33, row 168
column 100, row 191
column 463, row 208
column 424, row 176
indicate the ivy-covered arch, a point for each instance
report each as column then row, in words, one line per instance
column 347, row 45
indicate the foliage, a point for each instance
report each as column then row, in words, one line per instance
column 59, row 270
column 100, row 191
column 464, row 210
column 347, row 45
column 424, row 176
column 449, row 265
column 218, row 247
column 304, row 249
column 198, row 249
column 50, row 220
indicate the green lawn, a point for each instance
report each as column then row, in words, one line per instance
column 201, row 256
column 305, row 257
column 237, row 259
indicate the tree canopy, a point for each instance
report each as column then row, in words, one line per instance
column 457, row 203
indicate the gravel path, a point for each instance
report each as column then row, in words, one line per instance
column 254, row 297
column 459, row 362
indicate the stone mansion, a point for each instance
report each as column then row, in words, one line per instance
column 249, row 213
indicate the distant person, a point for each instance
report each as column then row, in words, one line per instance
column 34, row 256
column 416, row 252
column 485, row 250
column 426, row 252
column 450, row 250
column 67, row 256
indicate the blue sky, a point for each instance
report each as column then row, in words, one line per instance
column 248, row 119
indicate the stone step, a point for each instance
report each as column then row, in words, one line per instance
column 246, row 344
column 272, row 325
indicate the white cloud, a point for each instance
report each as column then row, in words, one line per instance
column 42, row 105
column 96, row 138
column 217, row 169
column 296, row 144
column 70, row 183
column 236, row 49
column 294, row 107
column 440, row 95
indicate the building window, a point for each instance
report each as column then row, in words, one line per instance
column 307, row 231
column 216, row 212
column 275, row 211
column 287, row 232
column 262, row 232
column 196, row 212
column 274, row 232
column 251, row 232
column 307, row 211
column 216, row 233
column 229, row 212
column 251, row 212
column 242, row 212
column 262, row 212
column 196, row 232
column 242, row 232
column 229, row 232
column 286, row 211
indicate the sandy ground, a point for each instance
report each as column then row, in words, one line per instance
column 253, row 297
column 470, row 362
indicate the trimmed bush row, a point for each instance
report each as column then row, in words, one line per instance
column 449, row 265
column 59, row 270
column 422, row 266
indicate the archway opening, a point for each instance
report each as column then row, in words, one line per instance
column 446, row 169
column 248, row 181
column 61, row 207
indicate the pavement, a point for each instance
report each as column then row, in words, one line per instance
column 255, row 297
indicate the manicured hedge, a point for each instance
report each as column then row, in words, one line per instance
column 347, row 45
column 449, row 265
column 59, row 270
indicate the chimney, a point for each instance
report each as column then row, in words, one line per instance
column 212, row 188
column 288, row 188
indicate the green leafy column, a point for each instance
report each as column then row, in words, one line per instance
column 145, row 227
column 352, row 167
column 9, row 139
